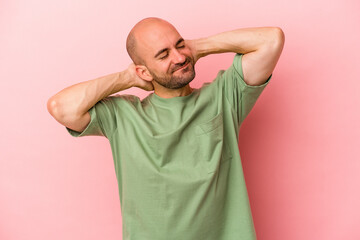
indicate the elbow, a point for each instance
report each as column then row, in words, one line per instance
column 279, row 37
column 61, row 112
column 56, row 110
column 275, row 40
column 53, row 107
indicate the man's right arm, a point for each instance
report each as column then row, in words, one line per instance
column 70, row 106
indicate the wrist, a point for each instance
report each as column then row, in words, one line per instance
column 205, row 46
column 124, row 80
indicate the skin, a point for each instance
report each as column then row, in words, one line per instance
column 261, row 46
column 171, row 71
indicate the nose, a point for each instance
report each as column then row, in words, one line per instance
column 178, row 57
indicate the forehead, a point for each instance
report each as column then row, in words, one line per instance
column 155, row 37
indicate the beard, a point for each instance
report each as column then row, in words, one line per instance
column 184, row 77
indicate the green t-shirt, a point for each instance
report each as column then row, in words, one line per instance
column 177, row 160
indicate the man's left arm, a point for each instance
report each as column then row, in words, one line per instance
column 261, row 46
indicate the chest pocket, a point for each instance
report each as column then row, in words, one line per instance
column 213, row 151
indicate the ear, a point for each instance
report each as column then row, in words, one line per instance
column 143, row 72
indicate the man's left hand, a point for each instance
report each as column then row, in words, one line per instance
column 191, row 44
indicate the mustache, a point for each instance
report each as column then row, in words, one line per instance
column 180, row 65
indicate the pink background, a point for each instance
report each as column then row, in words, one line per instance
column 299, row 145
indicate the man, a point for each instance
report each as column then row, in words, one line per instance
column 176, row 151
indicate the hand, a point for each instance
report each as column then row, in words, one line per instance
column 191, row 44
column 136, row 80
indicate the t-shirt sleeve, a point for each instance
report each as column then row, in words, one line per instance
column 238, row 93
column 103, row 120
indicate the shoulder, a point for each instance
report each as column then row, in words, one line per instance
column 122, row 99
column 118, row 101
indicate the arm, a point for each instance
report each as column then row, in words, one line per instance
column 261, row 47
column 70, row 106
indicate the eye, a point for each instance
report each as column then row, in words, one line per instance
column 165, row 56
column 182, row 46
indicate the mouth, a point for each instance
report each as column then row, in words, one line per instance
column 187, row 64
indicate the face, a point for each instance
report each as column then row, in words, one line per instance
column 168, row 60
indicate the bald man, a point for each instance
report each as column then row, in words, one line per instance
column 176, row 152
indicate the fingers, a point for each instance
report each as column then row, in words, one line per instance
column 149, row 86
column 146, row 85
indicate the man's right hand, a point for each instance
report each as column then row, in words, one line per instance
column 70, row 106
column 137, row 81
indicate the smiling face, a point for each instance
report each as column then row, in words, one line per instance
column 167, row 60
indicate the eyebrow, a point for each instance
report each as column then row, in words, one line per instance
column 166, row 49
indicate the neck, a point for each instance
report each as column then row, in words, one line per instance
column 170, row 93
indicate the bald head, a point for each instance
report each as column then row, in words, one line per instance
column 139, row 31
column 131, row 49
